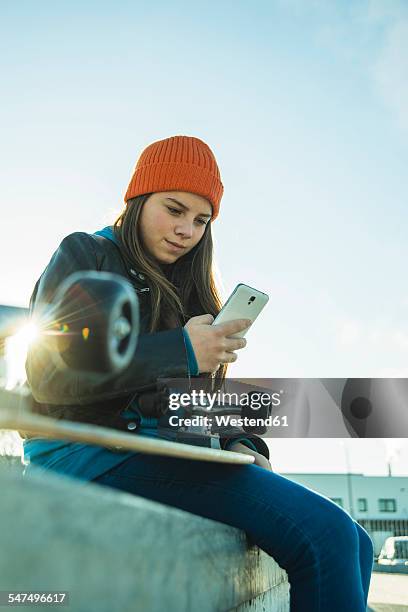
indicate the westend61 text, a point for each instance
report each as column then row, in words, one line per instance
column 208, row 400
column 228, row 421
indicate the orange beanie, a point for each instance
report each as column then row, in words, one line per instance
column 179, row 163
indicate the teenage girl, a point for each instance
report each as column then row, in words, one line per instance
column 162, row 244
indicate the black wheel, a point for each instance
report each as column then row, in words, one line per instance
column 95, row 322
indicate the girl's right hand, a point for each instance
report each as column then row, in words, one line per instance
column 259, row 459
column 212, row 343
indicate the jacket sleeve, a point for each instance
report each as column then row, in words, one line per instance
column 161, row 354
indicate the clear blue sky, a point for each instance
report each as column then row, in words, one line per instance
column 305, row 104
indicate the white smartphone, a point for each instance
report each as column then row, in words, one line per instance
column 245, row 302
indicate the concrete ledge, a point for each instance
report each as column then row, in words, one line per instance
column 115, row 551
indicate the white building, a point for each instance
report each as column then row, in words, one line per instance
column 378, row 503
column 12, row 320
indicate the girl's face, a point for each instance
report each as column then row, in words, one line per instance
column 172, row 223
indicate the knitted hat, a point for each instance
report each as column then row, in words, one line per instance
column 179, row 163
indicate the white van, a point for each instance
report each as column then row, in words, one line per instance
column 394, row 551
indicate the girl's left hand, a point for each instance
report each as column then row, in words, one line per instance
column 259, row 459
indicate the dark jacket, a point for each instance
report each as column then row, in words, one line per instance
column 77, row 395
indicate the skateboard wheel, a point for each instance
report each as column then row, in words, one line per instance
column 96, row 322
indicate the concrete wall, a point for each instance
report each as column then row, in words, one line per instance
column 115, row 551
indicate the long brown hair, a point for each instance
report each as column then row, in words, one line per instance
column 188, row 290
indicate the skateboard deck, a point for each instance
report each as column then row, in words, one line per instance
column 114, row 439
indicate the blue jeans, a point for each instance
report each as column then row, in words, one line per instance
column 327, row 555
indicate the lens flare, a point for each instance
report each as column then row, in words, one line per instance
column 16, row 347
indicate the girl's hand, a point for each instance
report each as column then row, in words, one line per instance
column 212, row 343
column 259, row 459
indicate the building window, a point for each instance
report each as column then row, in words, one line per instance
column 362, row 504
column 337, row 500
column 387, row 505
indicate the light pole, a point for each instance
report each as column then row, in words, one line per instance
column 392, row 450
column 348, row 476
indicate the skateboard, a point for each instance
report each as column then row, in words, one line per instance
column 14, row 415
column 93, row 326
